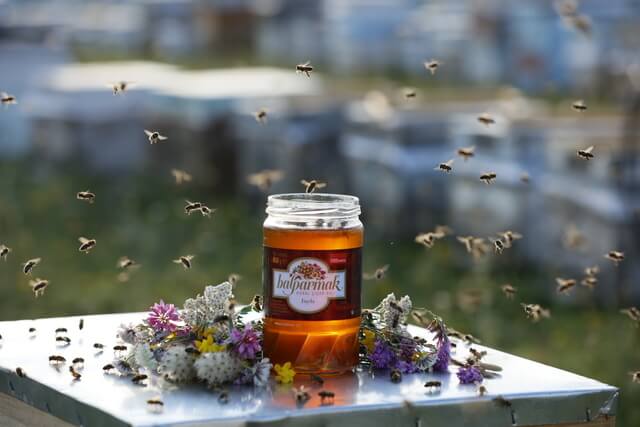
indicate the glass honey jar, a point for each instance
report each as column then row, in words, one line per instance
column 312, row 276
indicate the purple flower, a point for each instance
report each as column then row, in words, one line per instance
column 162, row 316
column 406, row 367
column 443, row 355
column 469, row 375
column 382, row 355
column 245, row 342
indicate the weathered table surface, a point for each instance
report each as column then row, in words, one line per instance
column 539, row 394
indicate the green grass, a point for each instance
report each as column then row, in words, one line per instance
column 142, row 217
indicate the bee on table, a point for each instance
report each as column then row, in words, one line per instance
column 56, row 360
column 486, row 119
column 433, row 386
column 378, row 274
column 192, row 206
column 326, row 397
column 61, row 331
column 466, row 153
column 535, row 312
column 487, row 177
column 508, row 290
column 317, row 379
column 28, row 266
column 223, row 397
column 305, row 68
column 139, row 379
column 311, row 186
column 86, row 196
column 432, row 65
column 155, row 405
column 579, row 105
column 265, row 179
column 616, row 256
column 86, row 244
column 81, row 324
column 120, row 87
column 75, row 374
column 446, row 166
column 180, row 176
column 481, row 390
column 98, row 346
column 65, row 341
column 395, row 376
column 565, row 285
column 185, row 261
column 32, row 330
column 261, row 116
column 7, row 99
column 586, row 154
column 4, row 251
column 300, row 395
column 78, row 363
column 118, row 349
column 108, row 368
column 155, row 137
column 38, row 286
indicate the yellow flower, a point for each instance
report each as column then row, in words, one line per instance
column 285, row 373
column 209, row 345
column 205, row 333
column 369, row 340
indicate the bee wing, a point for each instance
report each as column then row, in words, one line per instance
column 384, row 268
column 306, row 64
column 321, row 184
column 148, row 132
column 83, row 240
column 449, row 162
column 162, row 137
column 368, row 276
column 305, row 182
column 589, row 150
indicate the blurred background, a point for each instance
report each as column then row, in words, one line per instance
column 202, row 68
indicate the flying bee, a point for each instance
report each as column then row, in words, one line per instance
column 120, row 87
column 261, row 116
column 317, row 379
column 635, row 376
column 433, row 386
column 535, row 312
column 395, row 376
column 185, row 261
column 432, row 66
column 28, row 266
column 63, row 340
column 573, row 238
column 4, row 251
column 446, row 166
column 154, row 137
column 125, row 262
column 265, row 179
column 21, row 373
column 301, row 395
column 565, row 285
column 108, row 368
column 467, row 152
column 442, row 231
column 427, row 239
column 61, row 331
column 498, row 245
column 256, row 303
column 524, row 178
column 586, row 154
column 467, row 241
column 509, row 237
column 180, row 176
column 78, row 363
column 7, row 99
column 633, row 313
column 86, row 196
column 378, row 274
column 234, row 278
column 409, row 92
column 206, row 211
column 486, row 119
column 579, row 105
column 38, row 286
column 501, row 401
column 326, row 397
column 616, row 256
column 155, row 405
column 192, row 206
column 589, row 282
column 75, row 374
column 139, row 379
column 305, row 68
column 592, row 271
column 311, row 186
column 487, row 177
column 508, row 290
column 86, row 244
column 482, row 390
column 56, row 359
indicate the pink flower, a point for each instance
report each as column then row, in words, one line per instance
column 245, row 342
column 162, row 317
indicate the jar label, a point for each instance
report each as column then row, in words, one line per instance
column 312, row 285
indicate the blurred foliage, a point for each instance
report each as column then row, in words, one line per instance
column 142, row 217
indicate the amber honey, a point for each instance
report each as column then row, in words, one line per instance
column 312, row 282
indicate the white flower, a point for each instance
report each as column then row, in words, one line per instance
column 177, row 365
column 127, row 333
column 218, row 368
column 261, row 372
column 202, row 311
column 394, row 312
column 144, row 356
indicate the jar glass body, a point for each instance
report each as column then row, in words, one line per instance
column 312, row 273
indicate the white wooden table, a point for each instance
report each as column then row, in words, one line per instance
column 540, row 395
